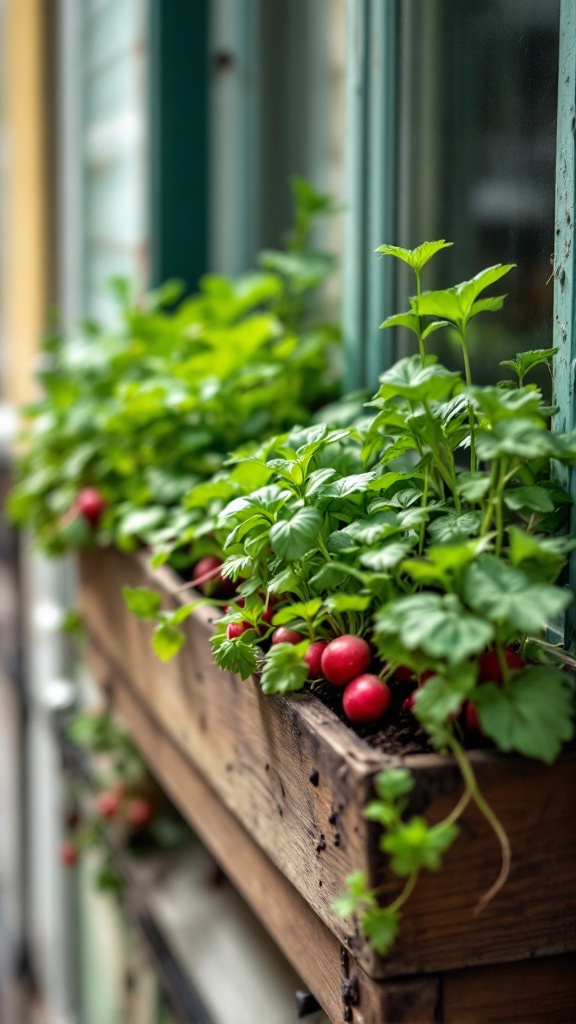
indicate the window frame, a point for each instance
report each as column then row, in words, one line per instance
column 565, row 267
column 177, row 145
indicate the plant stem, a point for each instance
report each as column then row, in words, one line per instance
column 490, row 501
column 485, row 809
column 419, row 335
column 459, row 808
column 405, row 894
column 424, row 506
column 447, row 471
column 324, row 550
column 500, row 509
column 468, row 375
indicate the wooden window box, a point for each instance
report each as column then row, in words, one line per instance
column 276, row 786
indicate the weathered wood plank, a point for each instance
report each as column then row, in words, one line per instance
column 340, row 985
column 531, row 992
column 565, row 265
column 291, row 772
column 258, row 753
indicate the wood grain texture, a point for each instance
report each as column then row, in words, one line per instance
column 520, row 993
column 340, row 985
column 258, row 754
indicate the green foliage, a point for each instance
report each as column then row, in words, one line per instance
column 411, row 845
column 146, row 410
column 284, row 669
column 234, row 655
column 415, row 845
column 292, row 538
column 506, row 596
column 436, row 625
column 415, row 258
column 531, row 714
column 461, row 303
column 428, row 522
column 526, row 361
column 167, row 640
column 142, row 601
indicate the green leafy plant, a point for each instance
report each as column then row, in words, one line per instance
column 131, row 418
column 412, row 846
column 430, row 529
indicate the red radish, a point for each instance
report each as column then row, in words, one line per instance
column 286, row 636
column 345, row 658
column 408, row 703
column 235, row 629
column 139, row 812
column 490, row 669
column 108, row 802
column 313, row 658
column 207, row 577
column 90, row 504
column 268, row 615
column 403, row 674
column 425, row 676
column 68, row 853
column 365, row 699
column 471, row 717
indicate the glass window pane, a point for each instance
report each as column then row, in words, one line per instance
column 278, row 78
column 477, row 127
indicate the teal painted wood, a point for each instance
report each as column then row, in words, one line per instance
column 565, row 258
column 381, row 224
column 368, row 283
column 354, row 283
column 178, row 139
column 234, row 135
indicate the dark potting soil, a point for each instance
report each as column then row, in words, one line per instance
column 399, row 732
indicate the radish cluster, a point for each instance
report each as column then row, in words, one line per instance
column 490, row 669
column 345, row 662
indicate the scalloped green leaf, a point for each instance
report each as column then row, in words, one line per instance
column 416, row 258
column 532, row 714
column 291, row 539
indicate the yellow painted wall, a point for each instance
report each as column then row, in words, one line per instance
column 27, row 270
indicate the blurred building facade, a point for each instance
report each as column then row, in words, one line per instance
column 155, row 138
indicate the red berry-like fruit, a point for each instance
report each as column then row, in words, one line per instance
column 403, row 674
column 490, row 669
column 313, row 658
column 208, row 567
column 90, row 504
column 471, row 717
column 108, row 802
column 345, row 658
column 425, row 676
column 235, row 629
column 68, row 853
column 206, row 574
column 139, row 812
column 365, row 699
column 285, row 636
